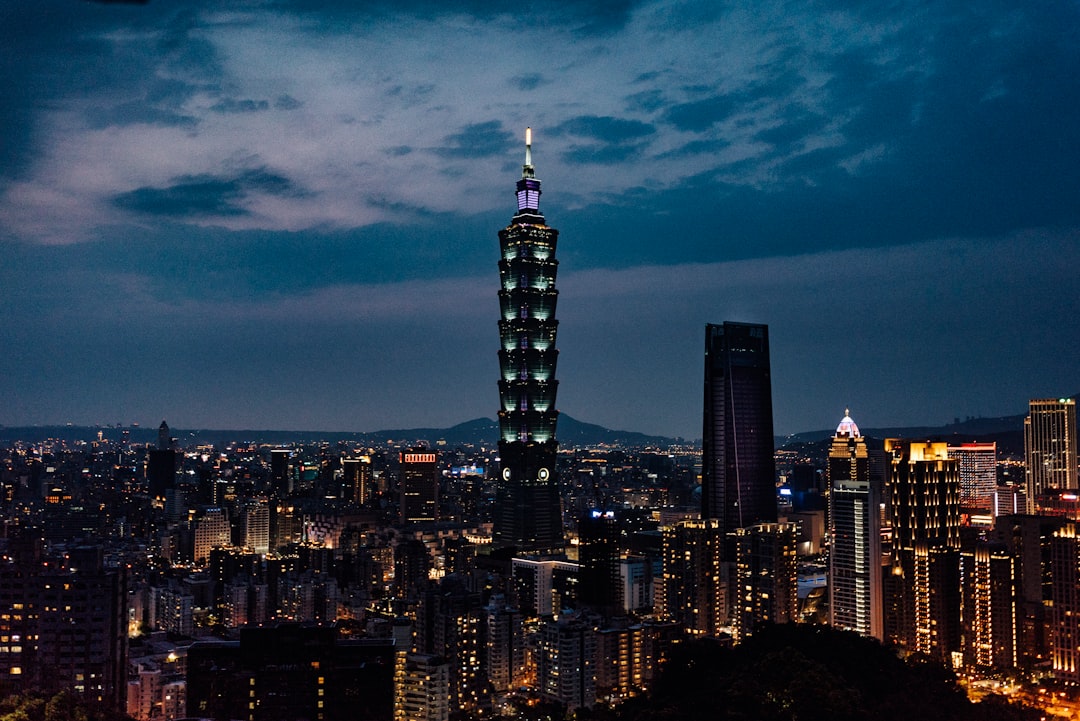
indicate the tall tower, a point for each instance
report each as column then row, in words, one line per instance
column 738, row 484
column 1050, row 447
column 419, row 486
column 528, row 516
column 854, row 535
column 924, row 510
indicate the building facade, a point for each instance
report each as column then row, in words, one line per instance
column 1049, row 447
column 528, row 515
column 738, row 481
column 855, row 583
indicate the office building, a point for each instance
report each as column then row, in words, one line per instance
column 855, row 582
column 161, row 464
column 599, row 552
column 738, row 482
column 1065, row 603
column 282, row 472
column 977, row 464
column 1050, row 448
column 210, row 530
column 419, row 481
column 359, row 481
column 528, row 514
column 923, row 499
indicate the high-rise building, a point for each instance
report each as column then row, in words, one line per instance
column 923, row 499
column 766, row 588
column 988, row 615
column 291, row 671
column 281, row 471
column 528, row 515
column 161, row 464
column 854, row 535
column 359, row 482
column 1050, row 447
column 566, row 662
column 1065, row 606
column 695, row 584
column 211, row 530
column 599, row 551
column 419, row 486
column 738, row 482
column 977, row 463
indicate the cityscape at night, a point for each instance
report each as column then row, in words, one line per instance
column 320, row 404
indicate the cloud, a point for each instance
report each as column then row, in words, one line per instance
column 246, row 105
column 205, row 195
column 478, row 140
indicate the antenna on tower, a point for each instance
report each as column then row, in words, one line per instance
column 528, row 146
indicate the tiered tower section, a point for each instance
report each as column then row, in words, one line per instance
column 528, row 516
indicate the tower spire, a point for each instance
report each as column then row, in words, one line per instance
column 527, row 169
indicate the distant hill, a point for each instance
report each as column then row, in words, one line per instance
column 477, row 432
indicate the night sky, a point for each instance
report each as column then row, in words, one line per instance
column 284, row 213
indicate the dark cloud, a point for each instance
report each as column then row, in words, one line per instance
column 287, row 102
column 605, row 128
column 615, row 140
column 530, row 81
column 696, row 147
column 246, row 105
column 647, row 101
column 479, row 140
column 204, row 195
column 699, row 115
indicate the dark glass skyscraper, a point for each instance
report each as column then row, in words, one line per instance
column 738, row 482
column 528, row 517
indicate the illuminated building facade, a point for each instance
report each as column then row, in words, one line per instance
column 766, row 580
column 528, row 515
column 738, row 482
column 695, row 586
column 977, row 463
column 1065, row 609
column 419, row 486
column 855, row 583
column 566, row 663
column 923, row 499
column 989, row 608
column 1050, row 447
column 359, row 479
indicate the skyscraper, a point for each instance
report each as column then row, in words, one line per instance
column 1050, row 447
column 924, row 510
column 978, row 474
column 528, row 517
column 419, row 486
column 738, row 484
column 854, row 535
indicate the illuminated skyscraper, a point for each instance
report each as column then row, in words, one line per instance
column 1050, row 447
column 978, row 474
column 1065, row 607
column 924, row 510
column 528, row 516
column 854, row 535
column 738, row 484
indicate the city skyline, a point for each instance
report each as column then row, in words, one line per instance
column 282, row 215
